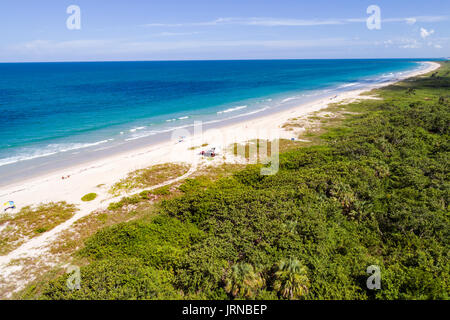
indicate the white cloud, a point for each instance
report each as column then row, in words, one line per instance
column 431, row 18
column 255, row 21
column 425, row 33
column 412, row 43
column 208, row 23
column 388, row 43
column 280, row 22
column 172, row 34
column 121, row 46
column 271, row 22
column 409, row 44
column 411, row 20
column 403, row 43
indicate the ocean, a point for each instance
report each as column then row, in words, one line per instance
column 53, row 112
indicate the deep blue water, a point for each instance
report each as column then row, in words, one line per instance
column 50, row 108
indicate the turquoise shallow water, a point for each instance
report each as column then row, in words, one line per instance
column 67, row 108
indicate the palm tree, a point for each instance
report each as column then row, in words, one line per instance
column 243, row 281
column 291, row 279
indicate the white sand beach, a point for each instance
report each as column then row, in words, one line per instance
column 88, row 177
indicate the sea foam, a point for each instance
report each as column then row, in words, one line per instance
column 49, row 150
column 232, row 109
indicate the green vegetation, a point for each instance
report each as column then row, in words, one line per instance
column 142, row 196
column 162, row 191
column 374, row 192
column 89, row 197
column 291, row 279
column 137, row 258
column 30, row 222
column 149, row 177
column 196, row 147
column 254, row 149
column 127, row 201
column 243, row 281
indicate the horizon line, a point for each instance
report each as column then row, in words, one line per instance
column 200, row 60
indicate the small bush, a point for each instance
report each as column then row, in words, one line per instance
column 148, row 177
column 163, row 191
column 125, row 201
column 89, row 197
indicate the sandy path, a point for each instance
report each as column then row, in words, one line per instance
column 41, row 244
column 87, row 177
column 38, row 244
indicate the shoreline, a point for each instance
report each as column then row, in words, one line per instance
column 85, row 177
column 46, row 162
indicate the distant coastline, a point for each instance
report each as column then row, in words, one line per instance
column 33, row 159
column 44, row 169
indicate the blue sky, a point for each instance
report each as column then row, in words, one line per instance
column 222, row 29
